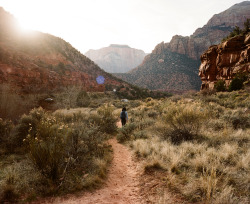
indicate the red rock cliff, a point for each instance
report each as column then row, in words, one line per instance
column 225, row 60
column 218, row 27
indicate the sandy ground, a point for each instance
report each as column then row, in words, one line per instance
column 122, row 186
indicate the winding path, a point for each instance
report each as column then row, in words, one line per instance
column 122, row 186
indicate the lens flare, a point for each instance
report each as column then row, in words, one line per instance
column 100, row 79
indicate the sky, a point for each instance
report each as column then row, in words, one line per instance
column 93, row 24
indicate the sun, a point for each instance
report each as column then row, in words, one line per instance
column 25, row 26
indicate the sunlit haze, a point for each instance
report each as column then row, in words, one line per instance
column 93, row 24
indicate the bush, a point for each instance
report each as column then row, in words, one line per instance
column 125, row 132
column 25, row 123
column 108, row 121
column 47, row 147
column 5, row 128
column 184, row 123
column 237, row 82
column 140, row 135
column 83, row 99
column 220, row 85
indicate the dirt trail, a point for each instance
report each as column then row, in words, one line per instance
column 122, row 185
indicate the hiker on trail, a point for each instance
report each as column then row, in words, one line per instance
column 124, row 116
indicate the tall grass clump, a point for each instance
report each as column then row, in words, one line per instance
column 184, row 122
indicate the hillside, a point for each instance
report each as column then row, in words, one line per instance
column 183, row 75
column 36, row 62
column 165, row 70
column 117, row 58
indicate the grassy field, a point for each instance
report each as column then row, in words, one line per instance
column 199, row 141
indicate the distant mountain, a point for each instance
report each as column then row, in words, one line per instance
column 38, row 62
column 165, row 70
column 117, row 58
column 158, row 71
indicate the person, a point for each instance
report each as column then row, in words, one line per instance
column 124, row 116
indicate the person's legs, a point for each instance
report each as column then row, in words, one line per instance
column 123, row 122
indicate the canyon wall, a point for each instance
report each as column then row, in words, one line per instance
column 224, row 61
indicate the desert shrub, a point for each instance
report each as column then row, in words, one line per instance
column 237, row 118
column 152, row 114
column 134, row 103
column 57, row 149
column 184, row 123
column 5, row 128
column 237, row 82
column 142, row 134
column 8, row 192
column 220, row 85
column 25, row 123
column 141, row 125
column 83, row 99
column 125, row 132
column 108, row 121
column 47, row 147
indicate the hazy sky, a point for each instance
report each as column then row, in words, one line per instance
column 93, row 24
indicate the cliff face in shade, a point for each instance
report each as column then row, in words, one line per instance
column 37, row 62
column 225, row 60
column 219, row 26
column 116, row 58
column 177, row 62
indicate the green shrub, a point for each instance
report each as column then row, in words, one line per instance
column 220, row 85
column 237, row 82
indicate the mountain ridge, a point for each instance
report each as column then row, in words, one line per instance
column 191, row 47
column 116, row 58
column 39, row 61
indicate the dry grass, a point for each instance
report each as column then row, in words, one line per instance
column 213, row 168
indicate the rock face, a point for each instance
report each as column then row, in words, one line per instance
column 225, row 60
column 177, row 62
column 117, row 58
column 40, row 62
column 219, row 26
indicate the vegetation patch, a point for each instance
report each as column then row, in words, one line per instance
column 54, row 154
column 201, row 143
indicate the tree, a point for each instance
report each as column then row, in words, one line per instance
column 246, row 27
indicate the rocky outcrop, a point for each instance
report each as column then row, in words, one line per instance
column 224, row 61
column 116, row 58
column 219, row 26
